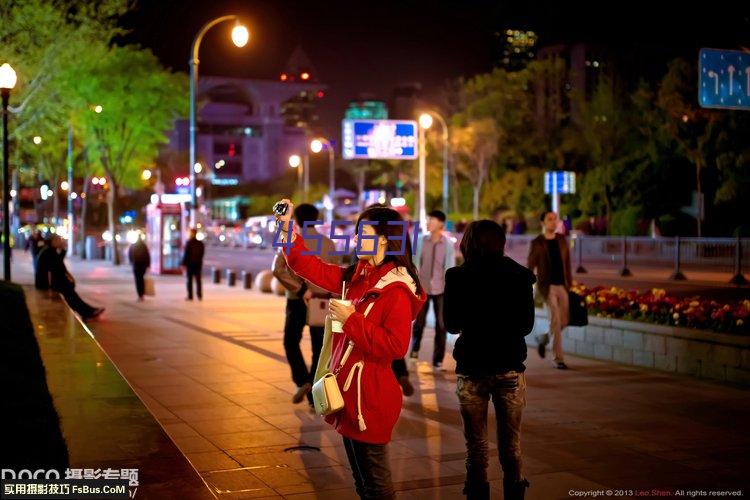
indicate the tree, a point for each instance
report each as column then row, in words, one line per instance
column 139, row 102
column 476, row 145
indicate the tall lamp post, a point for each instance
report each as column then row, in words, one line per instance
column 295, row 161
column 445, row 153
column 316, row 146
column 7, row 82
column 425, row 122
column 240, row 36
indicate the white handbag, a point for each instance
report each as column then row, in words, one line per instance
column 326, row 393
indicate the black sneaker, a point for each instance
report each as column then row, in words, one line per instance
column 560, row 365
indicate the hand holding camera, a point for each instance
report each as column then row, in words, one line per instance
column 283, row 210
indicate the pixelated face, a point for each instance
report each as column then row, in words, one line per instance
column 369, row 243
column 434, row 224
column 550, row 222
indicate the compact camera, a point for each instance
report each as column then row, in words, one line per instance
column 280, row 208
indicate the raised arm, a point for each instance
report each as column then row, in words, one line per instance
column 313, row 268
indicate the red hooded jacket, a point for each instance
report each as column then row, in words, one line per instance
column 372, row 398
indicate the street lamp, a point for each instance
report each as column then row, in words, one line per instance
column 240, row 37
column 425, row 122
column 316, row 146
column 428, row 119
column 295, row 161
column 7, row 82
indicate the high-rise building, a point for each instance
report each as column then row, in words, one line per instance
column 581, row 66
column 516, row 48
column 301, row 109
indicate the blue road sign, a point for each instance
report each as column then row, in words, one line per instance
column 724, row 79
column 559, row 182
column 379, row 139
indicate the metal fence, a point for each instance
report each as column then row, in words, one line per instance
column 728, row 255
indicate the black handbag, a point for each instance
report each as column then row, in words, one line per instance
column 577, row 313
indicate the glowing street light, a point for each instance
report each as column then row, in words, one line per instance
column 295, row 161
column 98, row 109
column 240, row 35
column 37, row 140
column 64, row 185
column 198, row 168
column 146, row 175
column 425, row 120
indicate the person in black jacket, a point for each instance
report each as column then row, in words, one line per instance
column 52, row 273
column 489, row 303
column 192, row 261
column 141, row 260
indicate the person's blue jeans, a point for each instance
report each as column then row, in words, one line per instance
column 508, row 394
column 370, row 468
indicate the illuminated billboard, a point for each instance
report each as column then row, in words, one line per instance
column 379, row 139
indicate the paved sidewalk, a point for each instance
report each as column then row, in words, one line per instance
column 215, row 376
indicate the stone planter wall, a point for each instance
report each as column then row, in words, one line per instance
column 699, row 353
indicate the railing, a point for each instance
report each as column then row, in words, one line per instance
column 711, row 254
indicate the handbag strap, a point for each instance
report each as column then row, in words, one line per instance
column 350, row 345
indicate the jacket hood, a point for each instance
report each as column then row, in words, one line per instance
column 399, row 277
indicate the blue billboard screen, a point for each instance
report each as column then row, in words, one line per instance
column 379, row 139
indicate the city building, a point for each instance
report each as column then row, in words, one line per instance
column 247, row 129
column 516, row 48
column 580, row 68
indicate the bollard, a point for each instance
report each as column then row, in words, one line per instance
column 247, row 279
column 579, row 248
column 215, row 275
column 277, row 287
column 263, row 281
column 231, row 277
column 738, row 278
column 677, row 275
column 625, row 271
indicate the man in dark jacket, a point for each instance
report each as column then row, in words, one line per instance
column 489, row 303
column 192, row 261
column 549, row 256
column 299, row 293
column 52, row 266
column 141, row 261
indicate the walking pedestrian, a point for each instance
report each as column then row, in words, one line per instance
column 34, row 245
column 385, row 296
column 549, row 257
column 435, row 254
column 140, row 259
column 52, row 266
column 192, row 262
column 299, row 293
column 489, row 303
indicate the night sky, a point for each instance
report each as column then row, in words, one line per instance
column 370, row 47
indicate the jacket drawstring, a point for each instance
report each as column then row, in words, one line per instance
column 361, row 365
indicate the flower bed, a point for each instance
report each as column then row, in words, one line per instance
column 655, row 306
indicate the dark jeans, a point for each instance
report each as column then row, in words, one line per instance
column 508, row 393
column 370, row 468
column 77, row 303
column 140, row 286
column 418, row 328
column 296, row 317
column 195, row 273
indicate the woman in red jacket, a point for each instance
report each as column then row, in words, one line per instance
column 386, row 297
